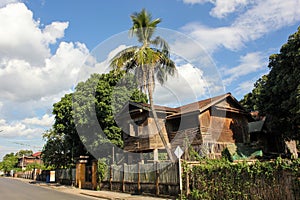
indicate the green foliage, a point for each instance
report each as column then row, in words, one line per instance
column 227, row 155
column 251, row 101
column 102, row 169
column 93, row 103
column 220, row 179
column 281, row 92
column 103, row 95
column 9, row 162
column 24, row 152
column 63, row 144
column 32, row 166
column 277, row 94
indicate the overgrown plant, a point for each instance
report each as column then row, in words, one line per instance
column 102, row 169
column 220, row 179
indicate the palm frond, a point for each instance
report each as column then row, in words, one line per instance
column 123, row 57
column 161, row 44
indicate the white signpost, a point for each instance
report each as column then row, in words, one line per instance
column 178, row 152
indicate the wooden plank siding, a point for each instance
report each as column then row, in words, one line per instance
column 214, row 122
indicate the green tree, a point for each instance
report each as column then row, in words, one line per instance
column 24, row 153
column 281, row 95
column 63, row 143
column 100, row 95
column 277, row 94
column 9, row 162
column 251, row 101
column 105, row 94
column 149, row 62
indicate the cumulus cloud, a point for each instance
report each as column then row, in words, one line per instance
column 19, row 129
column 6, row 2
column 22, row 38
column 25, row 55
column 46, row 120
column 58, row 73
column 54, row 31
column 259, row 19
column 185, row 87
column 31, row 77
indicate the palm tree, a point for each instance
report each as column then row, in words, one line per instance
column 149, row 62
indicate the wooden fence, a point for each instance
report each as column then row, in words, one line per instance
column 62, row 176
column 158, row 178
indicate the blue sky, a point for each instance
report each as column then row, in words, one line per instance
column 44, row 45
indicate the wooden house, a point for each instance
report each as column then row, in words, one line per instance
column 211, row 124
column 35, row 158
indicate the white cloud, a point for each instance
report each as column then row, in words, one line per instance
column 46, row 120
column 267, row 16
column 251, row 62
column 244, row 87
column 19, row 129
column 59, row 73
column 222, row 8
column 31, row 77
column 259, row 19
column 54, row 31
column 213, row 38
column 185, row 87
column 20, row 35
column 247, row 86
column 6, row 2
column 195, row 1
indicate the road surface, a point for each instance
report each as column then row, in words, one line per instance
column 11, row 189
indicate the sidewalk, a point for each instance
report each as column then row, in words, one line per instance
column 90, row 193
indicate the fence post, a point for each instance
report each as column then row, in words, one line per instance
column 157, row 179
column 139, row 178
column 110, row 177
column 123, row 181
column 187, row 180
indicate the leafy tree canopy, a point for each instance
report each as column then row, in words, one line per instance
column 9, row 162
column 93, row 103
column 278, row 93
column 24, row 152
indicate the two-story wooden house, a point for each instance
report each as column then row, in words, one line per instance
column 211, row 124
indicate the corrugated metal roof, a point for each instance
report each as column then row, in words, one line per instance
column 255, row 126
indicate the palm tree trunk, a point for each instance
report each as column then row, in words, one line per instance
column 159, row 130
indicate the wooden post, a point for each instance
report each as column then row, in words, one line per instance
column 110, row 177
column 139, row 178
column 180, row 177
column 187, row 180
column 123, row 181
column 157, row 179
column 94, row 175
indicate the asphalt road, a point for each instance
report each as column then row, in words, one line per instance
column 11, row 189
